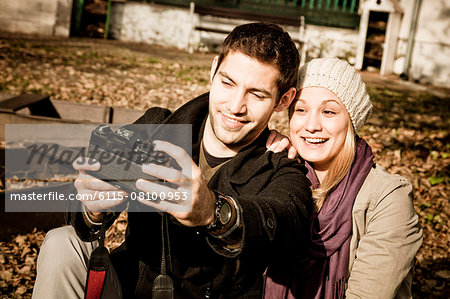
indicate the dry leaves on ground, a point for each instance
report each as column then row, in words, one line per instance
column 409, row 131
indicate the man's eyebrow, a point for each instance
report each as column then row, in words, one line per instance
column 265, row 92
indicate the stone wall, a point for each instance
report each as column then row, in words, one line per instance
column 43, row 17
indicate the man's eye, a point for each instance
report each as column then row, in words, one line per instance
column 258, row 96
column 226, row 82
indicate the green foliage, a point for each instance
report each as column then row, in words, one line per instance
column 184, row 74
column 3, row 86
column 24, row 84
column 433, row 219
column 132, row 60
column 434, row 155
column 435, row 180
column 94, row 54
column 424, row 205
column 152, row 60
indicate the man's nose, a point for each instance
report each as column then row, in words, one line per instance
column 238, row 103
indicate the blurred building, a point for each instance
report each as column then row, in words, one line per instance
column 404, row 37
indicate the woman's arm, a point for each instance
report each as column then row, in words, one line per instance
column 385, row 253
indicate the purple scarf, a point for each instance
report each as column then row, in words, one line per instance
column 323, row 272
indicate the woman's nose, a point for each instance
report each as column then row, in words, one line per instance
column 313, row 123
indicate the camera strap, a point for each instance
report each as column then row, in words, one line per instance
column 163, row 283
column 98, row 266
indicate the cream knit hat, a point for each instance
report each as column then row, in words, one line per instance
column 340, row 78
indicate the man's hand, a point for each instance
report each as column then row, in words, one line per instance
column 199, row 211
column 278, row 142
column 95, row 191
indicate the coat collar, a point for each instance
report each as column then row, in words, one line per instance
column 254, row 157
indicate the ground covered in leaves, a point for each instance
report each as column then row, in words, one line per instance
column 408, row 131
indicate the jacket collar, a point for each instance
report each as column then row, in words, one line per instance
column 253, row 156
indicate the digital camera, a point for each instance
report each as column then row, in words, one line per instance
column 121, row 154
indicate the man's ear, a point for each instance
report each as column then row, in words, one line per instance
column 286, row 99
column 213, row 68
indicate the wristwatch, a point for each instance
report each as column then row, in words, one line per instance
column 223, row 212
column 225, row 216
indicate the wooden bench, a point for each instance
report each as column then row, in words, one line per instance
column 222, row 20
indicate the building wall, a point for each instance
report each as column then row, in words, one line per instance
column 150, row 23
column 44, row 17
column 430, row 61
column 331, row 42
column 170, row 26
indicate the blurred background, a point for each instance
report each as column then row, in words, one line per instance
column 104, row 61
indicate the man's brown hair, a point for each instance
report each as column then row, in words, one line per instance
column 267, row 43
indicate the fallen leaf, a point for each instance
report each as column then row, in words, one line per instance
column 21, row 290
column 25, row 251
column 24, row 270
column 6, row 275
column 445, row 274
column 20, row 240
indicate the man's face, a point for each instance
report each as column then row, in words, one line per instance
column 242, row 99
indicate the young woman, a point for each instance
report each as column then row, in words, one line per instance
column 365, row 232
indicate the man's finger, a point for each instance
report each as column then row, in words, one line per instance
column 148, row 186
column 101, row 201
column 176, row 152
column 87, row 182
column 83, row 163
column 165, row 173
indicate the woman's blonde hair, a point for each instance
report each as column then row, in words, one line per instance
column 339, row 167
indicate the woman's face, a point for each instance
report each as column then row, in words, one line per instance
column 318, row 126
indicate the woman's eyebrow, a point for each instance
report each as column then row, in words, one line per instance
column 330, row 100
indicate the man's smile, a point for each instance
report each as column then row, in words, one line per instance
column 232, row 121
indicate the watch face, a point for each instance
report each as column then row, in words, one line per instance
column 225, row 213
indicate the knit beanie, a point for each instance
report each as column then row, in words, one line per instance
column 342, row 79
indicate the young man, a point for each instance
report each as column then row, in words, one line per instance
column 249, row 207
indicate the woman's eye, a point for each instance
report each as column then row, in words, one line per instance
column 329, row 112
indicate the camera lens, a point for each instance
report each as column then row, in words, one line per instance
column 160, row 158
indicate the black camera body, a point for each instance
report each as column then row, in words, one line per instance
column 121, row 154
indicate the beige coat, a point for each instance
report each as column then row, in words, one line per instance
column 386, row 237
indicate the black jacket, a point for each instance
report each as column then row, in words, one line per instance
column 274, row 198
